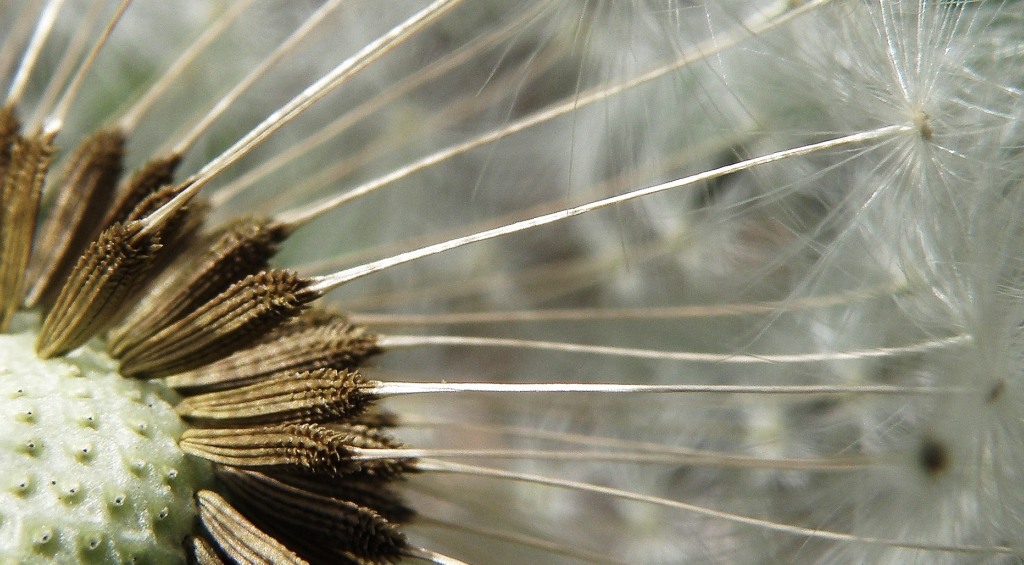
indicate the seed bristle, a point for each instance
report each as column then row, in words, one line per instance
column 175, row 227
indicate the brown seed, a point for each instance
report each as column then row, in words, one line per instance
column 238, row 538
column 178, row 229
column 376, row 417
column 10, row 127
column 302, row 448
column 322, row 395
column 242, row 314
column 316, row 339
column 133, row 201
column 315, row 526
column 200, row 551
column 242, row 248
column 152, row 176
column 85, row 193
column 93, row 296
column 371, row 493
column 30, row 158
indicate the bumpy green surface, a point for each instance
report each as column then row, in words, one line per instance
column 90, row 470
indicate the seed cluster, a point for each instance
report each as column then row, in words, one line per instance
column 273, row 396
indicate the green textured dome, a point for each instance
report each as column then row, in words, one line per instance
column 91, row 468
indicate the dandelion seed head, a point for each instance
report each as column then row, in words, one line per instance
column 838, row 210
